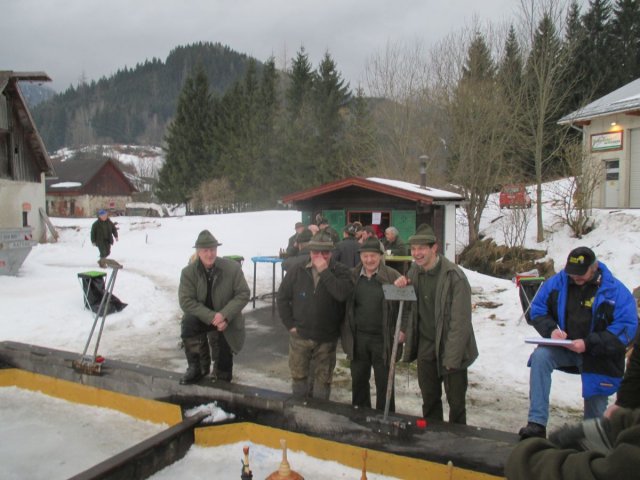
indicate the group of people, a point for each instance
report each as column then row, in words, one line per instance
column 322, row 300
column 346, row 248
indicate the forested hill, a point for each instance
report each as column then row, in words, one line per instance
column 134, row 105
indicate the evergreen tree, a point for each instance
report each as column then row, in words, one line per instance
column 598, row 47
column 301, row 83
column 190, row 150
column 625, row 47
column 509, row 80
column 330, row 96
column 359, row 141
column 577, row 59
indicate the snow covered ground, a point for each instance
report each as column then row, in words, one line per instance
column 43, row 304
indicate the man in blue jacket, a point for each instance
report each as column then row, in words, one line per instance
column 586, row 304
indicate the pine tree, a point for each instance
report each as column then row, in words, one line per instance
column 330, row 96
column 625, row 45
column 598, row 47
column 509, row 80
column 301, row 78
column 576, row 43
column 190, row 150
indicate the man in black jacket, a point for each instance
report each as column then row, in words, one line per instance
column 311, row 303
column 103, row 231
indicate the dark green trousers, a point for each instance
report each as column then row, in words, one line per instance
column 368, row 354
column 455, row 387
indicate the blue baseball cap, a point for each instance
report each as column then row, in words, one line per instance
column 102, row 212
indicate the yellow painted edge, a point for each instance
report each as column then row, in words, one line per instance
column 382, row 463
column 140, row 408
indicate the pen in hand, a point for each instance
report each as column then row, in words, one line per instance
column 559, row 333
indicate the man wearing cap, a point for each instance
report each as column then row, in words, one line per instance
column 346, row 251
column 369, row 327
column 292, row 247
column 302, row 256
column 212, row 294
column 103, row 232
column 311, row 306
column 439, row 333
column 586, row 304
column 324, row 226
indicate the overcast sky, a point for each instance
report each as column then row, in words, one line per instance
column 71, row 38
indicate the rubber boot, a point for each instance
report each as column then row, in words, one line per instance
column 222, row 375
column 192, row 348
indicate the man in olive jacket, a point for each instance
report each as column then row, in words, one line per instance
column 369, row 327
column 439, row 333
column 103, row 232
column 212, row 294
column 597, row 449
column 311, row 305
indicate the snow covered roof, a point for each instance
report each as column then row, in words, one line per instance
column 65, row 185
column 412, row 187
column 625, row 99
column 397, row 188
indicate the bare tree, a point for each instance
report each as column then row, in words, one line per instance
column 398, row 77
column 546, row 85
column 575, row 195
column 476, row 113
column 213, row 196
column 515, row 224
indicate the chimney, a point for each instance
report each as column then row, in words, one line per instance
column 423, row 170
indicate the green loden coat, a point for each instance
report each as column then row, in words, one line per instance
column 455, row 341
column 537, row 458
column 229, row 294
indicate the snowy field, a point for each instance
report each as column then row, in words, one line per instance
column 43, row 304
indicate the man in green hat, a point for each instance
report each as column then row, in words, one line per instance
column 369, row 327
column 212, row 294
column 440, row 333
column 311, row 305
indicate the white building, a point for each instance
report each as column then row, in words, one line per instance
column 611, row 136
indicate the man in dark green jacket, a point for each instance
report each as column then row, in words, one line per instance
column 439, row 333
column 311, row 305
column 212, row 294
column 597, row 449
column 103, row 232
column 369, row 327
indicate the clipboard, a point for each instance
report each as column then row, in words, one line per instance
column 556, row 342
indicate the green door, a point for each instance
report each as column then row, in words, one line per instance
column 306, row 217
column 405, row 222
column 337, row 219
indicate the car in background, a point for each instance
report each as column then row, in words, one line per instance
column 514, row 196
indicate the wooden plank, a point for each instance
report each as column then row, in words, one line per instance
column 47, row 221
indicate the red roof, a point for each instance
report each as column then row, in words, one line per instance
column 405, row 193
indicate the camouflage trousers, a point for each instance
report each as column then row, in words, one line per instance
column 311, row 364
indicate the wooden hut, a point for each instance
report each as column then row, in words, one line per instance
column 382, row 202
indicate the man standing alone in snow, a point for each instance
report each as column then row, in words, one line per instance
column 103, row 231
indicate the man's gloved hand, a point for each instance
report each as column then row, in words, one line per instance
column 593, row 434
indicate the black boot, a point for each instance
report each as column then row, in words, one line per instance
column 205, row 357
column 192, row 346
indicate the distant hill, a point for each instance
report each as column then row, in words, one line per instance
column 35, row 94
column 135, row 105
